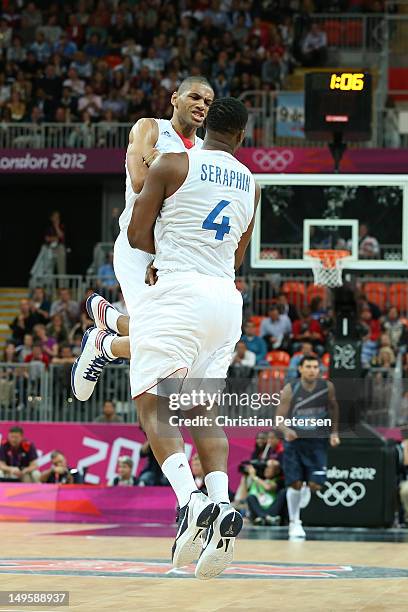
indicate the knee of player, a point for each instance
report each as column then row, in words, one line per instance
column 297, row 485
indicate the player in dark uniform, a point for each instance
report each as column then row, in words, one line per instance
column 303, row 402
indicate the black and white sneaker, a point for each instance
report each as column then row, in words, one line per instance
column 194, row 518
column 218, row 548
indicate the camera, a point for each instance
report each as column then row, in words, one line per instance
column 258, row 465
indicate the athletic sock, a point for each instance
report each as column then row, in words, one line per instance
column 305, row 495
column 107, row 346
column 293, row 499
column 112, row 317
column 217, row 487
column 178, row 473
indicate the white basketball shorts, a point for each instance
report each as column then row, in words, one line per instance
column 130, row 269
column 186, row 322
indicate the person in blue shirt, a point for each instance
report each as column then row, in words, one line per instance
column 107, row 281
column 254, row 343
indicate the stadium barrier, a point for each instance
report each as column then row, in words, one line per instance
column 32, row 392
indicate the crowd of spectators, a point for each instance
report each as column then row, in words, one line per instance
column 111, row 60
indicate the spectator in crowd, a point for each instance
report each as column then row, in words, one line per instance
column 276, row 329
column 40, row 304
column 241, row 370
column 266, row 503
column 151, row 475
column 125, row 477
column 26, row 348
column 62, row 375
column 18, row 457
column 109, row 413
column 243, row 358
column 59, row 472
column 56, row 328
column 274, row 448
column 55, row 240
column 368, row 246
column 314, row 46
column 285, row 308
column 366, row 319
column 369, row 349
column 80, row 328
column 24, row 322
column 254, row 343
column 107, row 281
column 260, row 450
column 293, row 369
column 395, row 328
column 363, row 303
column 66, row 307
column 317, row 309
column 307, row 329
column 38, row 360
column 48, row 344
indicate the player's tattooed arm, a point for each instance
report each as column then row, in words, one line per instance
column 283, row 411
column 142, row 138
column 165, row 176
column 246, row 236
column 334, row 415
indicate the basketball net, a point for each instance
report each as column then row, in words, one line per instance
column 327, row 266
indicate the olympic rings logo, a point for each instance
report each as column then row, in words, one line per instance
column 269, row 159
column 342, row 493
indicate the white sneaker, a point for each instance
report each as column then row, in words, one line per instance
column 305, row 496
column 218, row 548
column 97, row 308
column 296, row 531
column 88, row 366
column 193, row 519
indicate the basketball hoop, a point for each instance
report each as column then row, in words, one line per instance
column 327, row 266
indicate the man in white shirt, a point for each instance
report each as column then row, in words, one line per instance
column 275, row 328
column 242, row 356
column 314, row 47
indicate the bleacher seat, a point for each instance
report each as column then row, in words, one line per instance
column 399, row 296
column 272, row 380
column 295, row 292
column 257, row 320
column 353, row 33
column 334, row 31
column 278, row 358
column 313, row 291
column 377, row 293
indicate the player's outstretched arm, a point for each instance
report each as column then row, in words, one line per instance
column 142, row 138
column 165, row 176
column 246, row 236
column 283, row 411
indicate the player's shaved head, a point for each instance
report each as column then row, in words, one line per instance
column 227, row 116
column 190, row 81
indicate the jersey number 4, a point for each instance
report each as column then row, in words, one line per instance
column 220, row 228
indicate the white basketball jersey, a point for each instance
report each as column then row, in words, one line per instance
column 168, row 142
column 200, row 226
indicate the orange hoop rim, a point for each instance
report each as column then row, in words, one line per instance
column 328, row 257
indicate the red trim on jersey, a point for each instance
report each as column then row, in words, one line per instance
column 189, row 144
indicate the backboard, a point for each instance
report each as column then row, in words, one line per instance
column 365, row 214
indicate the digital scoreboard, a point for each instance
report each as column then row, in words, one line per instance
column 338, row 103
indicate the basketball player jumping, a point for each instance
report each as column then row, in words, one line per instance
column 305, row 455
column 148, row 138
column 196, row 212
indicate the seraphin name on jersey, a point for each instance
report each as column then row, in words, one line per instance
column 225, row 177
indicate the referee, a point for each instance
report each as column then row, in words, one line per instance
column 305, row 454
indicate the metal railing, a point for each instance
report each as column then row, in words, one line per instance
column 53, row 282
column 68, row 135
column 31, row 392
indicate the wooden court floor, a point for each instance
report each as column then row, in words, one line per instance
column 97, row 593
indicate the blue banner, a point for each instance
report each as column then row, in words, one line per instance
column 290, row 115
